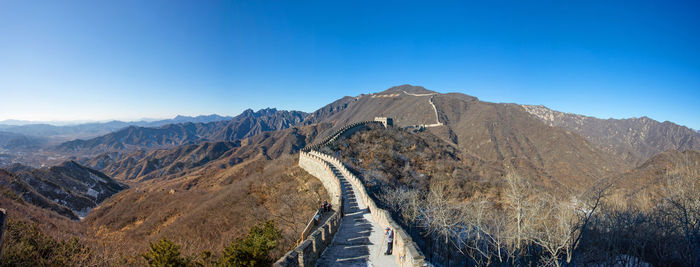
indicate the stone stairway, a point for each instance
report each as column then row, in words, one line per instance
column 359, row 238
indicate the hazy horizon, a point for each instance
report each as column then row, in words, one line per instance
column 75, row 122
column 127, row 60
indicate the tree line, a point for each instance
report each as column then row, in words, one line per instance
column 531, row 227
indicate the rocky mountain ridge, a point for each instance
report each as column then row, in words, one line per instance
column 634, row 139
column 134, row 138
column 228, row 175
column 69, row 189
column 187, row 159
column 517, row 137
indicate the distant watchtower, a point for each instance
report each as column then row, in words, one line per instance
column 388, row 122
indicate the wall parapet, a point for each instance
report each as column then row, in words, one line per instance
column 405, row 249
column 314, row 242
column 347, row 128
column 319, row 165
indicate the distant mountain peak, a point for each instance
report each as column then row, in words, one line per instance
column 409, row 89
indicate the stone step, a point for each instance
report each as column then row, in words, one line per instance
column 358, row 239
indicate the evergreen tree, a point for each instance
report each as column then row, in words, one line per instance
column 254, row 249
column 164, row 253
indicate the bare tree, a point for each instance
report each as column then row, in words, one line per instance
column 483, row 237
column 442, row 218
column 554, row 230
column 586, row 207
column 682, row 206
column 519, row 206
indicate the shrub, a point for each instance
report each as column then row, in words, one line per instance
column 26, row 245
column 254, row 249
column 165, row 253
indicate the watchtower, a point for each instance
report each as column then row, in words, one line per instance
column 386, row 121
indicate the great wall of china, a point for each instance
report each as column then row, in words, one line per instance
column 437, row 118
column 353, row 235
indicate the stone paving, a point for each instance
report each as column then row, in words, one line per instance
column 359, row 238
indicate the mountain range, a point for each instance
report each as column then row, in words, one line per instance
column 635, row 139
column 567, row 150
column 169, row 180
column 558, row 149
column 132, row 138
column 193, row 158
column 89, row 130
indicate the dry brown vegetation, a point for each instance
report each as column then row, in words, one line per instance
column 203, row 214
column 206, row 214
column 50, row 222
column 202, row 197
column 493, row 186
column 480, row 214
column 402, row 158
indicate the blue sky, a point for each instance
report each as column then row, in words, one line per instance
column 96, row 60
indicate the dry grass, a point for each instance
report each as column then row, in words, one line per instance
column 204, row 213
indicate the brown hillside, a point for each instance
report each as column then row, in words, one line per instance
column 208, row 211
column 190, row 159
column 503, row 134
column 508, row 134
column 406, row 110
column 643, row 185
column 69, row 189
column 635, row 139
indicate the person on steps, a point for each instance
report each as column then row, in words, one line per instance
column 389, row 240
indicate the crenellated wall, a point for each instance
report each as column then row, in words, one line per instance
column 319, row 165
column 322, row 171
column 405, row 250
column 313, row 244
column 345, row 131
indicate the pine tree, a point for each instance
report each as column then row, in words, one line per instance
column 254, row 249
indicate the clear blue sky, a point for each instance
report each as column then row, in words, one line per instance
column 77, row 60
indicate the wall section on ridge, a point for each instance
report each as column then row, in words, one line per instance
column 319, row 165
